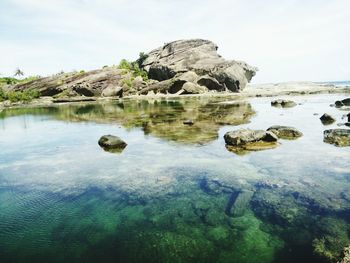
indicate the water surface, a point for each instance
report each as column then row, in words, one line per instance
column 175, row 194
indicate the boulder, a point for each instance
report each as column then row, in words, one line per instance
column 193, row 88
column 198, row 56
column 112, row 91
column 341, row 103
column 338, row 137
column 112, row 143
column 210, row 83
column 138, row 83
column 189, row 76
column 283, row 103
column 285, row 132
column 251, row 140
column 327, row 119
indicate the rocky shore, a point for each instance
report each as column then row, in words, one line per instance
column 183, row 67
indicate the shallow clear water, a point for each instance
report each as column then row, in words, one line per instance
column 175, row 194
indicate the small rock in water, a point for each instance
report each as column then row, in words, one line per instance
column 341, row 103
column 327, row 119
column 285, row 132
column 188, row 122
column 283, row 103
column 338, row 137
column 348, row 117
column 112, row 143
column 243, row 140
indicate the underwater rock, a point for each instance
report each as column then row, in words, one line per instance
column 338, row 137
column 345, row 256
column 241, row 204
column 285, row 132
column 283, row 103
column 327, row 119
column 112, row 143
column 251, row 140
column 188, row 122
column 330, row 245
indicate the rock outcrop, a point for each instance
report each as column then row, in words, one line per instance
column 180, row 67
column 197, row 61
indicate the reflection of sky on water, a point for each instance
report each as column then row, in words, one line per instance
column 61, row 156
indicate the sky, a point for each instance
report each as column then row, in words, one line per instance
column 288, row 40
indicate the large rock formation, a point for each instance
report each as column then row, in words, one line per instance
column 180, row 67
column 199, row 59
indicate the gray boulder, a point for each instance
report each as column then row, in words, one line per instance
column 189, row 76
column 327, row 119
column 338, row 137
column 199, row 56
column 250, row 140
column 112, row 143
column 285, row 132
column 112, row 91
column 193, row 88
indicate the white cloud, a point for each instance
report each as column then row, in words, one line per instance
column 287, row 40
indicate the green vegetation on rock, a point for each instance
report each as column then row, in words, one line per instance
column 134, row 67
column 16, row 96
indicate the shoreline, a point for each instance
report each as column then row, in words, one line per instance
column 252, row 90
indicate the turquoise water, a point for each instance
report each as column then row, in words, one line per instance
column 175, row 194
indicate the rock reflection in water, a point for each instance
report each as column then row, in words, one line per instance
column 163, row 118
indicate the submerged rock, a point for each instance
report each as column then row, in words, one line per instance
column 112, row 143
column 283, row 103
column 338, row 137
column 285, row 132
column 251, row 140
column 346, row 256
column 327, row 119
column 188, row 122
column 200, row 57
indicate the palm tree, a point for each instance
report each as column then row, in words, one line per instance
column 18, row 73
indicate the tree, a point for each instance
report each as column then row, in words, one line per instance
column 19, row 73
column 141, row 59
